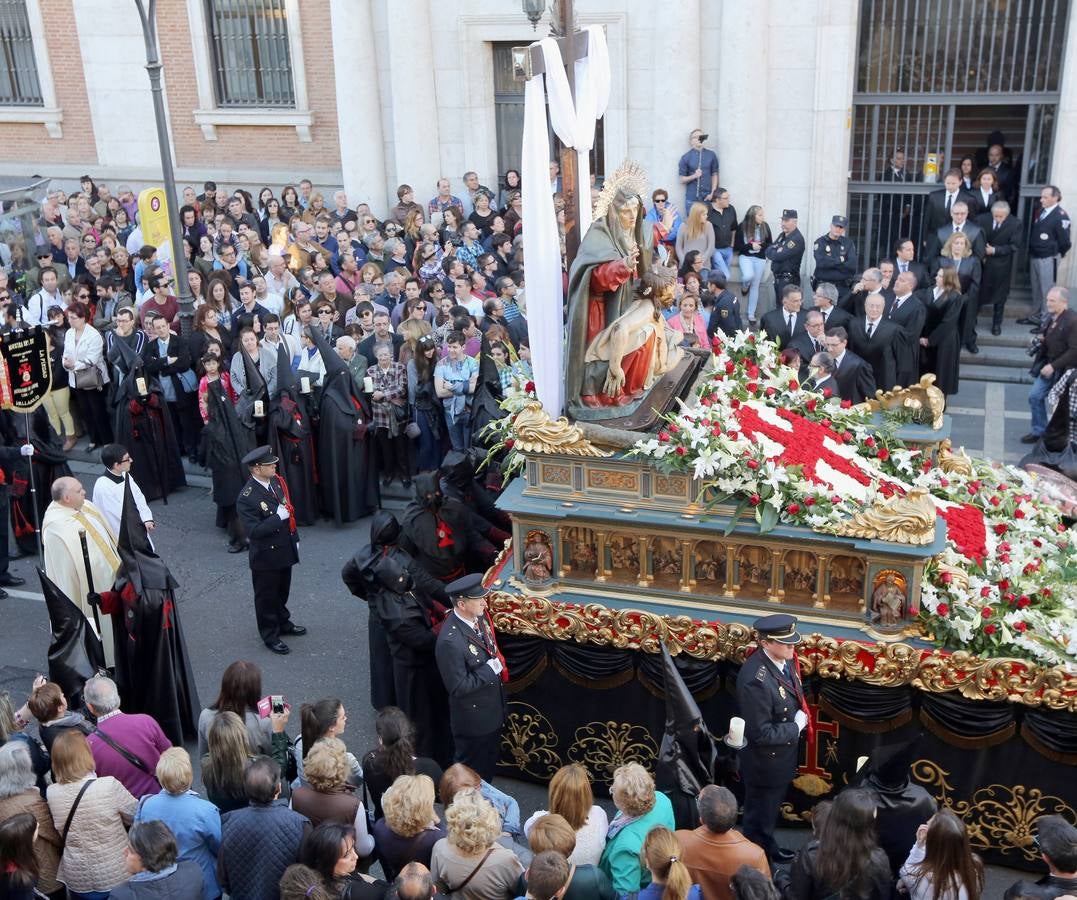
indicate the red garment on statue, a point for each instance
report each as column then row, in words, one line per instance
column 604, row 278
column 636, row 365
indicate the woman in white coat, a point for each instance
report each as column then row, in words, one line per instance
column 87, row 374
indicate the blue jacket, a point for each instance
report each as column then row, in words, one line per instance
column 620, row 860
column 257, row 844
column 196, row 823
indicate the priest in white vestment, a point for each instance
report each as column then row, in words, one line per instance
column 108, row 489
column 68, row 514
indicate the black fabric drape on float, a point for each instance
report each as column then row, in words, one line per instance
column 1000, row 765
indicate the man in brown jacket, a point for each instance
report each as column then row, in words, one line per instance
column 1058, row 352
column 715, row 850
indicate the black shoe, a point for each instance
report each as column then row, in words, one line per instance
column 1030, row 438
column 236, row 548
column 1028, row 320
column 782, row 855
column 279, row 647
column 3, row 594
column 972, row 348
column 12, row 581
column 291, row 628
column 406, row 482
column 996, row 330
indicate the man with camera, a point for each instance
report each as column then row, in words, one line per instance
column 698, row 171
column 1055, row 350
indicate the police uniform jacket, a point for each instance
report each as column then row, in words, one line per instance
column 725, row 316
column 786, row 253
column 835, row 260
column 1050, row 236
column 768, row 703
column 476, row 694
column 272, row 543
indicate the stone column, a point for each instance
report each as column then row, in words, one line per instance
column 742, row 107
column 835, row 79
column 359, row 114
column 675, row 41
column 1064, row 163
column 416, row 144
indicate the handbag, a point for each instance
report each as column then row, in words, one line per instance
column 71, row 814
column 401, row 413
column 89, row 379
column 443, row 886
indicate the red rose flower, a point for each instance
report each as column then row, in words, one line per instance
column 734, row 404
column 673, row 429
column 989, row 629
column 1024, row 602
column 794, row 385
column 680, row 451
column 730, row 368
column 995, row 501
column 944, row 482
column 943, row 609
column 753, row 464
column 869, row 442
column 1046, row 593
column 793, row 509
column 809, row 501
column 529, row 388
column 946, row 578
column 987, row 612
column 847, row 436
column 1000, row 528
column 510, row 443
column 1020, row 626
column 835, row 499
column 1018, row 513
column 985, row 591
column 752, row 387
column 663, row 437
column 884, row 454
column 716, row 431
column 755, row 500
column 1004, row 585
column 846, row 404
column 751, row 339
column 827, row 393
column 810, row 405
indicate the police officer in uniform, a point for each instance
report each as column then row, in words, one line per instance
column 835, row 259
column 785, row 255
column 474, row 674
column 771, row 701
column 725, row 312
column 269, row 520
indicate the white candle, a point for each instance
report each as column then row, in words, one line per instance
column 861, row 761
column 140, row 385
column 259, row 409
column 736, row 731
column 304, row 384
column 368, row 384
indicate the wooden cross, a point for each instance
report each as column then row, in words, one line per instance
column 527, row 62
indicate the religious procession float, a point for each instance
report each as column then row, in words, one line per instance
column 694, row 490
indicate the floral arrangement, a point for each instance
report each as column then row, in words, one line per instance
column 498, row 435
column 786, row 453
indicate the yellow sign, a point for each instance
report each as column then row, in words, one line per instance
column 153, row 220
column 931, row 168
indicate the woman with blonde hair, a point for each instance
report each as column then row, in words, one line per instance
column 93, row 858
column 410, row 827
column 301, row 882
column 957, row 253
column 585, row 881
column 369, row 273
column 228, row 752
column 639, row 809
column 696, row 233
column 469, row 862
column 326, row 794
column 195, row 823
column 411, row 329
column 670, row 878
column 571, row 797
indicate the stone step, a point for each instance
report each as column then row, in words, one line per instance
column 998, row 357
column 999, row 374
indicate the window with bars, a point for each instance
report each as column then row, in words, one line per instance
column 19, row 84
column 251, row 57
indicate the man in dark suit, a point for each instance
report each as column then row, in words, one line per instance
column 877, row 340
column 905, row 261
column 725, row 311
column 909, row 315
column 939, row 206
column 168, row 357
column 269, row 520
column 869, row 285
column 786, row 323
column 826, row 298
column 821, row 370
column 1003, row 242
column 811, row 341
column 959, row 222
column 1005, row 177
column 474, row 674
column 1058, row 353
column 381, row 335
column 856, row 381
column 1056, row 840
column 771, row 701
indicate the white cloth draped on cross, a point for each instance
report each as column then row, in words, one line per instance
column 574, row 125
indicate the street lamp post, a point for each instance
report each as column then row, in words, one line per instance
column 154, row 67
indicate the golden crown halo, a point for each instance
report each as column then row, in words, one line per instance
column 629, row 177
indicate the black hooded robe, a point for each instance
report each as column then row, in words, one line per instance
column 142, row 424
column 438, row 532
column 75, row 653
column 458, row 483
column 224, row 443
column 29, row 501
column 292, row 440
column 153, row 668
column 346, row 474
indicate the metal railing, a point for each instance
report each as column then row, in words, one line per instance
column 19, row 85
column 251, row 53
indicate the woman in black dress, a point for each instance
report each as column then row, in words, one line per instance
column 940, row 344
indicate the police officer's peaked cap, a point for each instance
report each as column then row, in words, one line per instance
column 467, row 588
column 260, row 456
column 789, row 214
column 779, row 627
column 840, row 220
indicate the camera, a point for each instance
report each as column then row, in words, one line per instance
column 703, row 137
column 276, row 702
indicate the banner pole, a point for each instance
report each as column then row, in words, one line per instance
column 33, row 493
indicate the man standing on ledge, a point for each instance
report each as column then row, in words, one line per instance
column 269, row 520
column 698, row 171
column 772, row 703
column 474, row 674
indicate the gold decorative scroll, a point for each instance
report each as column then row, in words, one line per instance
column 899, row 520
column 924, row 401
column 535, row 432
column 953, row 463
column 885, row 665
